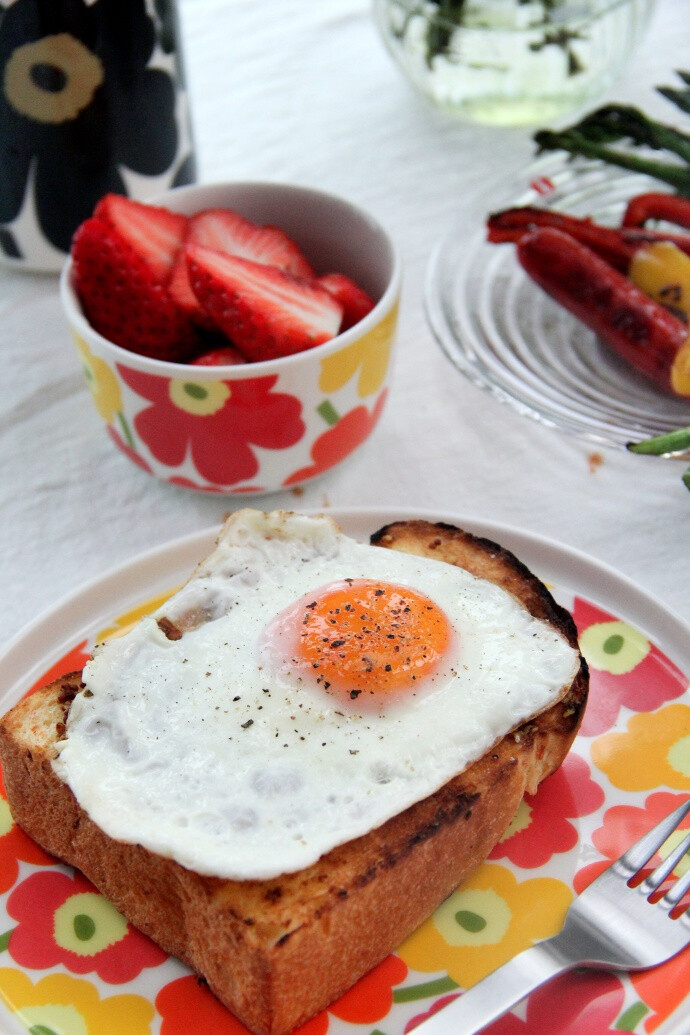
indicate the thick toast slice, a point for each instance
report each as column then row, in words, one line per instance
column 276, row 952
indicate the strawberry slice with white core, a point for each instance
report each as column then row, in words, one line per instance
column 180, row 291
column 155, row 234
column 264, row 311
column 355, row 301
column 231, row 233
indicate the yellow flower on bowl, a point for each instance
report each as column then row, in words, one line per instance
column 102, row 383
column 370, row 355
column 654, row 751
column 487, row 921
column 65, row 1004
column 202, row 399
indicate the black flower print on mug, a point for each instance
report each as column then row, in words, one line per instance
column 80, row 104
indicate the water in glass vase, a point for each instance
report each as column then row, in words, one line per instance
column 511, row 62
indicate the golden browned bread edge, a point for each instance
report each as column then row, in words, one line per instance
column 276, row 952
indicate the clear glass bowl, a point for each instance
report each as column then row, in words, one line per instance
column 512, row 62
column 509, row 338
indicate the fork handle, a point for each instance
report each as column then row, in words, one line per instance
column 496, row 993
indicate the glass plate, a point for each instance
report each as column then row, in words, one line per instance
column 583, row 816
column 508, row 337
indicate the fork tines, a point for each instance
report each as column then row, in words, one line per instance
column 641, row 852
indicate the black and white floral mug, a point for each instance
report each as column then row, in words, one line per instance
column 92, row 100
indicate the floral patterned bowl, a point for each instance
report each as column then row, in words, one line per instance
column 258, row 427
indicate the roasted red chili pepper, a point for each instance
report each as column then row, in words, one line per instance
column 637, row 328
column 669, row 207
column 616, row 246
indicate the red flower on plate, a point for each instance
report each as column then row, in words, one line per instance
column 187, row 1005
column 625, row 824
column 73, row 661
column 342, row 438
column 578, row 1003
column 626, row 669
column 64, row 920
column 542, row 826
column 415, row 1021
column 371, row 997
column 218, row 422
column 15, row 845
column 663, row 988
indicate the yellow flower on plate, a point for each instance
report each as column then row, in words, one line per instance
column 124, row 622
column 71, row 1006
column 102, row 383
column 614, row 647
column 654, row 751
column 370, row 355
column 487, row 921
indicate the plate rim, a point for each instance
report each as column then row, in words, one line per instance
column 646, row 611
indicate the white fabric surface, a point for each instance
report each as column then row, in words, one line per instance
column 305, row 92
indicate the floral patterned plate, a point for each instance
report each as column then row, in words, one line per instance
column 71, row 965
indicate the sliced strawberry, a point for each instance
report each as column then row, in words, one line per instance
column 226, row 231
column 223, row 357
column 264, row 311
column 229, row 232
column 155, row 234
column 184, row 298
column 123, row 300
column 355, row 301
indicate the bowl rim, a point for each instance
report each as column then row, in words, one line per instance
column 168, row 368
column 413, row 7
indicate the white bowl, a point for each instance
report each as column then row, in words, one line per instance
column 257, row 427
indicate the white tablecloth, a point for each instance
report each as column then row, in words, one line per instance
column 302, row 91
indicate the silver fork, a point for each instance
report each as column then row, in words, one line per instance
column 610, row 926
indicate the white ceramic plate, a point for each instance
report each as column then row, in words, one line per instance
column 508, row 337
column 576, row 580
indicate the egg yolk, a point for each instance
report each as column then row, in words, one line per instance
column 367, row 637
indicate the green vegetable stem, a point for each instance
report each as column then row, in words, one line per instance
column 673, row 443
column 593, row 136
column 444, row 17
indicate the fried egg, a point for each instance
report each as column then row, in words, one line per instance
column 299, row 690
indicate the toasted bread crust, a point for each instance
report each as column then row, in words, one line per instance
column 278, row 951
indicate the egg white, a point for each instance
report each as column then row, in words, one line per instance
column 205, row 750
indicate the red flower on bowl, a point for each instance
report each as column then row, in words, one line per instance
column 343, row 436
column 216, row 422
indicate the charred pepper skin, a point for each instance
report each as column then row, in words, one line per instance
column 616, row 245
column 656, row 205
column 638, row 329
